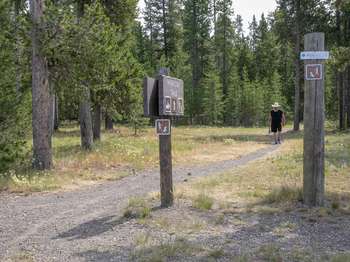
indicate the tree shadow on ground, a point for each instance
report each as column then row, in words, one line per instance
column 262, row 236
column 92, row 228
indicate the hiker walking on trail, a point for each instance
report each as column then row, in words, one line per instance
column 277, row 121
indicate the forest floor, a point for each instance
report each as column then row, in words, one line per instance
column 244, row 208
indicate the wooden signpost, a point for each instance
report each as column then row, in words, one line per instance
column 163, row 98
column 314, row 117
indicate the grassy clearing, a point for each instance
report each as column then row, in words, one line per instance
column 120, row 153
column 270, row 189
column 277, row 180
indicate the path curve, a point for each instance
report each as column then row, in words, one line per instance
column 55, row 226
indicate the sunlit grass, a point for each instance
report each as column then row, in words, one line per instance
column 121, row 153
column 277, row 179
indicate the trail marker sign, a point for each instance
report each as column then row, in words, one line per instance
column 163, row 127
column 314, row 55
column 313, row 72
column 163, row 98
column 314, row 118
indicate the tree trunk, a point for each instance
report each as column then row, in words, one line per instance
column 97, row 123
column 85, row 120
column 52, row 111
column 341, row 100
column 165, row 31
column 348, row 99
column 18, row 44
column 296, row 125
column 41, row 98
column 85, row 104
column 108, row 122
column 56, row 116
column 345, row 97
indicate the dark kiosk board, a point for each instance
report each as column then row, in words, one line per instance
column 163, row 96
column 171, row 95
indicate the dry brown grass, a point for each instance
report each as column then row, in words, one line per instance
column 120, row 153
column 276, row 179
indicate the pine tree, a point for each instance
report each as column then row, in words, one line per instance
column 223, row 41
column 197, row 45
column 213, row 105
column 14, row 103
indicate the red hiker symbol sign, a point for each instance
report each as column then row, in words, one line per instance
column 314, row 72
column 163, row 127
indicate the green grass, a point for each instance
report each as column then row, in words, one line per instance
column 345, row 257
column 203, row 202
column 165, row 251
column 120, row 153
column 284, row 194
column 276, row 180
column 137, row 208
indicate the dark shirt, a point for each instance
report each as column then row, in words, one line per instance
column 276, row 117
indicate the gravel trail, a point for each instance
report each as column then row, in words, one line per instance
column 58, row 226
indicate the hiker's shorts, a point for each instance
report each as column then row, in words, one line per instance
column 276, row 127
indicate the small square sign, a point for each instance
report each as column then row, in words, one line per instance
column 181, row 106
column 314, row 72
column 163, row 127
column 174, row 105
column 167, row 103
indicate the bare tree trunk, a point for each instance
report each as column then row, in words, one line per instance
column 18, row 44
column 97, row 123
column 85, row 104
column 108, row 122
column 41, row 98
column 56, row 115
column 52, row 111
column 345, row 96
column 85, row 120
column 348, row 99
column 341, row 100
column 165, row 31
column 296, row 125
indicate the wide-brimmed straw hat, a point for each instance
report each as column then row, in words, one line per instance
column 276, row 104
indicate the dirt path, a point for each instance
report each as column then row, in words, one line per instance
column 59, row 226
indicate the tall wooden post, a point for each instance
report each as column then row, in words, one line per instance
column 166, row 171
column 163, row 97
column 165, row 159
column 314, row 116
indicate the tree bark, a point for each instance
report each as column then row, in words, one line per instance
column 97, row 123
column 41, row 98
column 345, row 97
column 296, row 125
column 108, row 122
column 56, row 116
column 348, row 99
column 165, row 31
column 85, row 120
column 17, row 4
column 341, row 100
column 86, row 133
